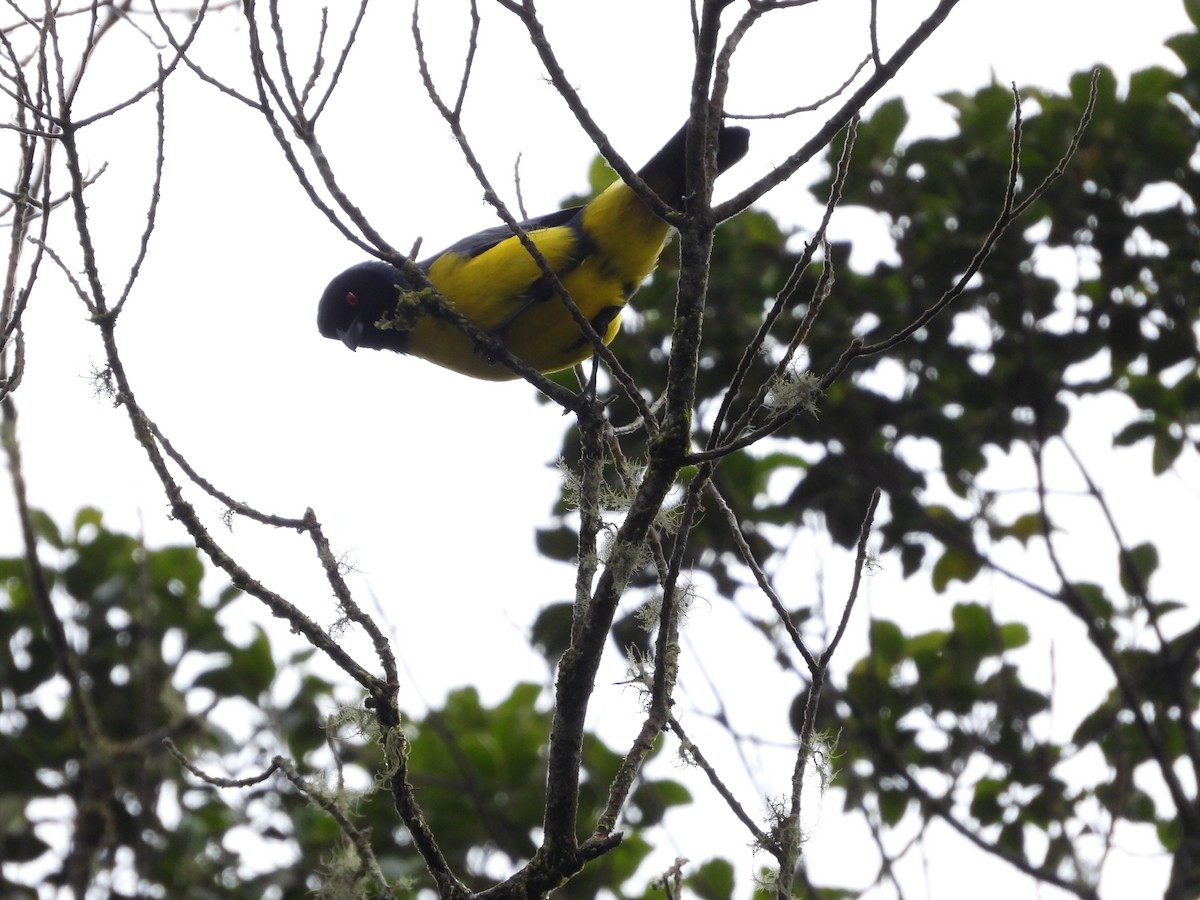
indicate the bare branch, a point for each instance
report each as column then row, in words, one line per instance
column 860, row 562
column 692, row 752
column 789, row 828
column 784, row 299
column 764, row 583
column 814, row 145
column 217, row 780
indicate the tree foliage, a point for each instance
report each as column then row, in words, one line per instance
column 998, row 376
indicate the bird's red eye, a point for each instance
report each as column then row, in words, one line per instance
column 351, row 298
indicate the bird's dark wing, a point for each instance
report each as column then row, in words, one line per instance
column 482, row 241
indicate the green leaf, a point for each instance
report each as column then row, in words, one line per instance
column 1170, row 834
column 927, row 651
column 1094, row 725
column 248, row 672
column 1137, row 430
column 1144, row 559
column 672, row 793
column 985, row 803
column 887, row 641
column 1151, row 85
column 1186, row 47
column 1013, row 635
column 600, row 175
column 44, row 527
column 654, row 798
column 888, row 121
column 1167, row 448
column 1026, row 527
column 227, row 595
column 1094, row 598
column 177, row 572
column 622, row 864
column 551, row 631
column 557, row 543
column 892, row 806
column 1138, row 806
column 989, row 111
column 954, row 565
column 713, row 880
column 87, row 516
column 911, row 557
column 1192, row 8
column 1012, row 838
column 974, row 628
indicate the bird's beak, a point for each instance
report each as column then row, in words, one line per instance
column 351, row 335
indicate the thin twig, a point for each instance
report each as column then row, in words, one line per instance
column 1101, row 637
column 155, row 194
column 835, row 123
column 874, row 30
column 784, row 299
column 764, row 583
column 368, row 863
column 789, row 829
column 807, row 107
column 692, row 752
column 217, row 780
column 336, row 75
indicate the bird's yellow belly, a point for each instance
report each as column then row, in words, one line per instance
column 544, row 335
column 493, row 290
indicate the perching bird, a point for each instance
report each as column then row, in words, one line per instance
column 601, row 252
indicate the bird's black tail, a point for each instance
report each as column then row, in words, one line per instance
column 665, row 172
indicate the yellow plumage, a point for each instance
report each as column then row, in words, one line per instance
column 495, row 287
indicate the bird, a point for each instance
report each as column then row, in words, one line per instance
column 601, row 251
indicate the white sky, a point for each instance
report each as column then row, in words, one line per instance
column 433, row 483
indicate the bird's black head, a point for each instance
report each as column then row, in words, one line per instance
column 357, row 299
